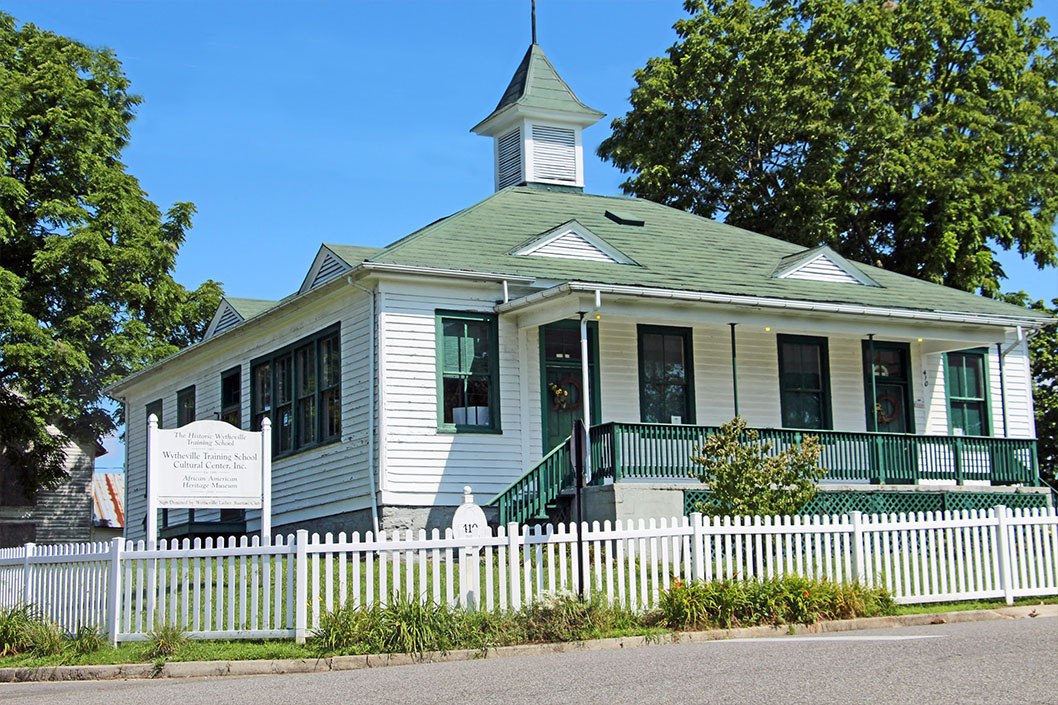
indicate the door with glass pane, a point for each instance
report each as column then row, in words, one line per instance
column 890, row 411
column 562, row 394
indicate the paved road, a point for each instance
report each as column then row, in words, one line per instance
column 1012, row 661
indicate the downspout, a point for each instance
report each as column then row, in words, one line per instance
column 585, row 378
column 371, row 406
column 873, row 414
column 734, row 368
column 1002, row 388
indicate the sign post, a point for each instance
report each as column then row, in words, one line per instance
column 208, row 464
column 469, row 522
column 578, row 455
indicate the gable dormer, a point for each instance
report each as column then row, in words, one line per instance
column 571, row 240
column 821, row 264
column 536, row 127
column 232, row 311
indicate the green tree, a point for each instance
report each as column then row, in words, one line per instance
column 1043, row 361
column 746, row 478
column 86, row 292
column 920, row 136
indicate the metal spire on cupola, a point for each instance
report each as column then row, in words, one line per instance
column 537, row 125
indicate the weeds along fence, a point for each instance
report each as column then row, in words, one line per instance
column 241, row 589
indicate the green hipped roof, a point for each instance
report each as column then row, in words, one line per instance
column 674, row 250
column 536, row 84
column 248, row 308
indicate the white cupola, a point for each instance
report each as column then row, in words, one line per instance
column 536, row 128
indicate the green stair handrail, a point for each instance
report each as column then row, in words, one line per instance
column 527, row 498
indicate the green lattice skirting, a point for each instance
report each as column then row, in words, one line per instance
column 842, row 502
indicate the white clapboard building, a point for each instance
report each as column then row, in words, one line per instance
column 394, row 377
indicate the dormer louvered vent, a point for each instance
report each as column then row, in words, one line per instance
column 228, row 319
column 572, row 240
column 823, row 270
column 509, row 159
column 554, row 153
column 821, row 264
column 329, row 269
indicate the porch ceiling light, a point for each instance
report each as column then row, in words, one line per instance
column 767, row 329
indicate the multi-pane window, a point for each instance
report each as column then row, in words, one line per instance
column 155, row 407
column 804, row 382
column 666, row 378
column 299, row 389
column 966, row 381
column 467, row 372
column 185, row 406
column 231, row 397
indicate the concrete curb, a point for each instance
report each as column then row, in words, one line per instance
column 206, row 669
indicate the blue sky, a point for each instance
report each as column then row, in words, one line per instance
column 290, row 124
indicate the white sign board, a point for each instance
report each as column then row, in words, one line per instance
column 469, row 522
column 209, row 464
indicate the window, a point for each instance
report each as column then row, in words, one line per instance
column 155, row 407
column 231, row 397
column 468, row 380
column 299, row 389
column 185, row 406
column 666, row 377
column 804, row 382
column 966, row 382
column 890, row 411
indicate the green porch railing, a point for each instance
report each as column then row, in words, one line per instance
column 622, row 451
column 527, row 498
column 659, row 451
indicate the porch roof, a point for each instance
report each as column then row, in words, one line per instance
column 673, row 250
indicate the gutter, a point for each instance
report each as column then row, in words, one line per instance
column 770, row 303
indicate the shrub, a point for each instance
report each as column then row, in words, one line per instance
column 86, row 640
column 165, row 642
column 565, row 617
column 787, row 600
column 745, row 478
column 13, row 624
column 44, row 638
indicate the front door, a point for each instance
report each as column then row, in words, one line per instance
column 562, row 394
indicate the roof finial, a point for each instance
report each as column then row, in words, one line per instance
column 534, row 21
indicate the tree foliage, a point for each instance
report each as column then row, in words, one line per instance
column 1043, row 357
column 746, row 478
column 919, row 136
column 86, row 291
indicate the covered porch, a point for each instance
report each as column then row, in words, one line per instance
column 894, row 399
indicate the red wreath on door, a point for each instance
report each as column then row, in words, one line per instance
column 886, row 401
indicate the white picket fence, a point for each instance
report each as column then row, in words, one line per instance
column 241, row 589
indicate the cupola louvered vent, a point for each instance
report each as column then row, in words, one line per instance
column 329, row 268
column 554, row 154
column 509, row 159
column 228, row 319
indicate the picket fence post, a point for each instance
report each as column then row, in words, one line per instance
column 113, row 611
column 27, row 575
column 698, row 546
column 858, row 567
column 514, row 580
column 1006, row 575
column 301, row 585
